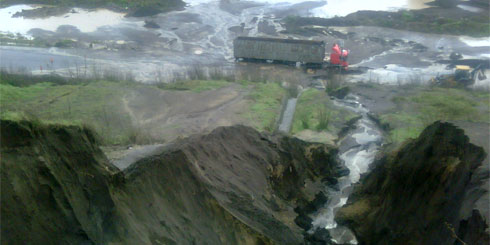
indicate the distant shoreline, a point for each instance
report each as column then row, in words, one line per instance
column 141, row 8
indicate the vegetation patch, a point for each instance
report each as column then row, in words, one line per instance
column 102, row 105
column 96, row 102
column 316, row 111
column 426, row 21
column 266, row 105
column 134, row 8
column 415, row 112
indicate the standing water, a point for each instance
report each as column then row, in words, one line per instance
column 357, row 151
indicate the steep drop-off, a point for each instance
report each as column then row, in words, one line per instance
column 424, row 193
column 232, row 186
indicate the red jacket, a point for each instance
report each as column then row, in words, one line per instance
column 338, row 57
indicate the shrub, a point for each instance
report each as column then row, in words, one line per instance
column 323, row 118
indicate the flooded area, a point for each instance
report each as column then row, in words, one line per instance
column 83, row 20
column 202, row 34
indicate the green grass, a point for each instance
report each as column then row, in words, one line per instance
column 266, row 106
column 195, row 85
column 97, row 103
column 411, row 20
column 316, row 111
column 413, row 113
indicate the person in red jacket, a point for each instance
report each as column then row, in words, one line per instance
column 338, row 56
column 335, row 55
column 343, row 58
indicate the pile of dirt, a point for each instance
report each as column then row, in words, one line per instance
column 425, row 193
column 232, row 186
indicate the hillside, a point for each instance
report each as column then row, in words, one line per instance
column 433, row 190
column 233, row 186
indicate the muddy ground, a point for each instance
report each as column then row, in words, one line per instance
column 203, row 33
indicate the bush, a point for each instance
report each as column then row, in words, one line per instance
column 304, row 118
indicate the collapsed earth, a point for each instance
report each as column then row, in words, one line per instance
column 244, row 122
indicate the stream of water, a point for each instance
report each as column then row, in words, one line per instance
column 357, row 150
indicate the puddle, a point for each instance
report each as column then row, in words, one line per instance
column 84, row 20
column 345, row 7
column 476, row 42
column 470, row 8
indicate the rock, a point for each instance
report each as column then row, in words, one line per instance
column 331, row 181
column 307, row 208
column 340, row 93
column 455, row 56
column 417, row 47
column 151, row 24
column 42, row 12
column 303, row 221
column 319, row 237
column 343, row 171
column 416, row 195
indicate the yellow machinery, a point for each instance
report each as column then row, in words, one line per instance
column 463, row 76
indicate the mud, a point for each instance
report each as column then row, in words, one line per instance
column 174, row 114
column 168, row 48
column 232, row 186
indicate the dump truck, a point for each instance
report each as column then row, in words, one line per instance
column 289, row 51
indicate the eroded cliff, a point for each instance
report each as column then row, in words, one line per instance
column 232, row 186
column 424, row 193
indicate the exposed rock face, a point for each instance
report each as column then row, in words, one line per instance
column 55, row 186
column 422, row 194
column 233, row 186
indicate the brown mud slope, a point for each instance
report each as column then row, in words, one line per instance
column 232, row 186
column 423, row 194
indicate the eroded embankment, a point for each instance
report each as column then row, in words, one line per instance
column 424, row 193
column 233, row 186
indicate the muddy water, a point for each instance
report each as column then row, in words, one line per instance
column 357, row 151
column 84, row 20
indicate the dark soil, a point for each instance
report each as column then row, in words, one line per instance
column 232, row 186
column 429, row 186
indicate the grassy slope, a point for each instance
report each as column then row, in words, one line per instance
column 194, row 85
column 308, row 109
column 419, row 21
column 99, row 103
column 266, row 106
column 413, row 113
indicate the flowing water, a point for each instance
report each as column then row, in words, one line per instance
column 202, row 34
column 357, row 151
